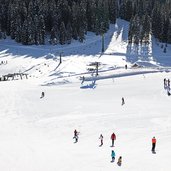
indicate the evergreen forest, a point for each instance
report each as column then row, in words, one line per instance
column 60, row 21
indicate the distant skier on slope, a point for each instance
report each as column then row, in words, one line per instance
column 123, row 101
column 119, row 161
column 113, row 156
column 113, row 138
column 101, row 139
column 76, row 135
column 83, row 79
column 42, row 94
column 165, row 83
column 168, row 83
column 153, row 144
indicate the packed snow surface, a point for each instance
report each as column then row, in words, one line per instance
column 36, row 134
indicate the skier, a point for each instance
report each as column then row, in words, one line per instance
column 113, row 156
column 123, row 101
column 168, row 82
column 42, row 94
column 75, row 132
column 75, row 135
column 101, row 139
column 153, row 144
column 119, row 161
column 113, row 138
column 83, row 79
column 165, row 82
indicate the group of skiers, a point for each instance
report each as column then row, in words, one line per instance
column 3, row 62
column 167, row 86
column 166, row 83
column 119, row 162
column 113, row 138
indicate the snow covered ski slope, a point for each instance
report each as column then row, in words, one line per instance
column 36, row 134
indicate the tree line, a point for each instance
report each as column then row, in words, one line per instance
column 60, row 21
column 147, row 17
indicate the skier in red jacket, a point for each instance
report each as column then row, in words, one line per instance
column 113, row 138
column 153, row 144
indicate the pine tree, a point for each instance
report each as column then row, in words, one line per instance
column 102, row 17
column 37, row 31
column 62, row 36
column 69, row 33
column 31, row 31
column 82, row 21
column 165, row 29
column 75, row 9
column 52, row 17
column 136, row 30
column 18, row 31
column 157, row 24
column 24, row 33
column 91, row 15
column 0, row 32
column 146, row 28
column 130, row 32
column 106, row 15
column 113, row 8
column 128, row 10
column 41, row 29
column 13, row 24
column 54, row 36
column 122, row 12
column 169, row 32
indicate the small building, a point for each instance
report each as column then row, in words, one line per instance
column 136, row 65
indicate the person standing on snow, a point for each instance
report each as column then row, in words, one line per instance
column 113, row 138
column 101, row 139
column 42, row 94
column 153, row 144
column 165, row 83
column 83, row 79
column 168, row 82
column 75, row 132
column 119, row 161
column 113, row 156
column 123, row 101
column 75, row 136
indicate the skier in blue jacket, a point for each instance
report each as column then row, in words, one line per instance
column 113, row 156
